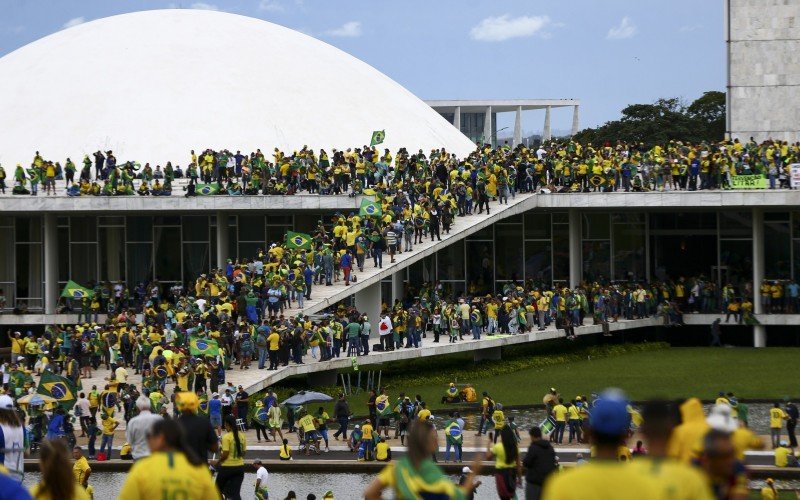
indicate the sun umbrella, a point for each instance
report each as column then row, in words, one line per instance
column 304, row 397
column 37, row 400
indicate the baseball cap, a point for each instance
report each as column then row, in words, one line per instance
column 6, row 403
column 610, row 414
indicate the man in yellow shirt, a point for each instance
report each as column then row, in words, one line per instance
column 783, row 455
column 560, row 413
column 80, row 469
column 604, row 476
column 776, row 418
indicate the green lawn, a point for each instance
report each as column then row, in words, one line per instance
column 664, row 373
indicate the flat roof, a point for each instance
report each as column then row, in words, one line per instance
column 498, row 105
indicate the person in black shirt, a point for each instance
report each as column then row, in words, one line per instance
column 539, row 462
column 200, row 435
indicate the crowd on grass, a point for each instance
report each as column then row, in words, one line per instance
column 553, row 166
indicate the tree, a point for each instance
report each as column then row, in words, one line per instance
column 663, row 121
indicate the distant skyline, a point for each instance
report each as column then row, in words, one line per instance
column 606, row 54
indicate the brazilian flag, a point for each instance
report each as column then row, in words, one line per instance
column 203, row 409
column 261, row 415
column 299, row 241
column 597, row 180
column 60, row 388
column 370, row 209
column 73, row 290
column 203, row 347
column 377, row 137
column 206, row 189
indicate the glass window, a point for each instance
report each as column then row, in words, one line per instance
column 777, row 253
column 195, row 227
column 139, row 229
column 776, row 216
column 422, row 271
column 248, row 250
column 629, row 252
column 63, row 254
column 736, row 225
column 6, row 221
column 560, row 252
column 537, row 226
column 509, row 252
column 195, row 260
column 29, row 273
column 683, row 220
column 277, row 234
column 596, row 260
column 83, row 229
column 6, row 254
column 140, row 263
column 83, row 263
column 450, row 262
column 29, row 229
column 112, row 221
column 251, row 228
column 627, row 218
column 167, row 252
column 112, row 254
column 560, row 218
column 280, row 220
column 480, row 272
column 595, row 226
column 453, row 289
column 736, row 259
column 167, row 220
column 486, row 233
column 538, row 257
column 512, row 219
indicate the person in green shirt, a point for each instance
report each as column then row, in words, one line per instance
column 353, row 330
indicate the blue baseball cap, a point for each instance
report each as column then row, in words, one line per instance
column 610, row 415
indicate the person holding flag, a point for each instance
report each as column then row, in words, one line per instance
column 384, row 410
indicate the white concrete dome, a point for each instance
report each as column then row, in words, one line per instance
column 153, row 85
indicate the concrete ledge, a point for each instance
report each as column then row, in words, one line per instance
column 764, row 319
column 42, row 319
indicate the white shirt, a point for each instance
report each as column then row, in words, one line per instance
column 385, row 326
column 12, row 442
column 225, row 400
column 83, row 403
column 261, row 477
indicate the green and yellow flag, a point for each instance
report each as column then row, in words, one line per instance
column 377, row 137
column 370, row 209
column 203, row 347
column 60, row 388
column 206, row 189
column 299, row 241
column 73, row 290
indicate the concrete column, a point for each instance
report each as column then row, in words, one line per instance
column 487, row 125
column 398, row 285
column 575, row 258
column 759, row 331
column 51, row 263
column 457, row 118
column 222, row 239
column 368, row 301
column 518, row 127
column 575, row 119
column 546, row 131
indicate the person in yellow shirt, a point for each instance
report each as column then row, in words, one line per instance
column 574, row 421
column 776, row 418
column 560, row 413
column 383, row 453
column 80, row 468
column 784, row 456
column 499, row 420
column 768, row 492
column 604, row 476
column 56, row 481
column 678, row 481
column 230, row 466
column 424, row 413
column 171, row 471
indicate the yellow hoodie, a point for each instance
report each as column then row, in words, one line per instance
column 686, row 441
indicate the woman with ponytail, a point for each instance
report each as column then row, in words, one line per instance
column 172, row 470
column 57, row 482
column 230, row 466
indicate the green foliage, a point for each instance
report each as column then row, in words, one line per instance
column 663, row 121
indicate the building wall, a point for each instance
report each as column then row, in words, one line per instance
column 764, row 69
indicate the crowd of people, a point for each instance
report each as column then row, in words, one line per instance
column 556, row 166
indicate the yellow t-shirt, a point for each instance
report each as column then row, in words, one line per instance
column 307, row 423
column 286, row 451
column 776, row 416
column 602, row 479
column 560, row 413
column 274, row 341
column 500, row 462
column 168, row 475
column 782, row 456
column 366, row 432
column 678, row 481
column 499, row 419
column 381, row 451
column 234, row 459
column 80, row 468
column 768, row 493
column 78, row 494
column 424, row 414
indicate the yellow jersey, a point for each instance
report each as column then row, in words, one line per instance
column 602, row 479
column 382, row 451
column 678, row 481
column 776, row 416
column 168, row 475
column 228, row 444
column 78, row 493
column 80, row 468
column 560, row 413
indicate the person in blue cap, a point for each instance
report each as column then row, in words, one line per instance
column 604, row 476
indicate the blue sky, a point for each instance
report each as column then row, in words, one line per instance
column 607, row 53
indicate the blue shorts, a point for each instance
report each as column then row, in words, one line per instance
column 216, row 420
